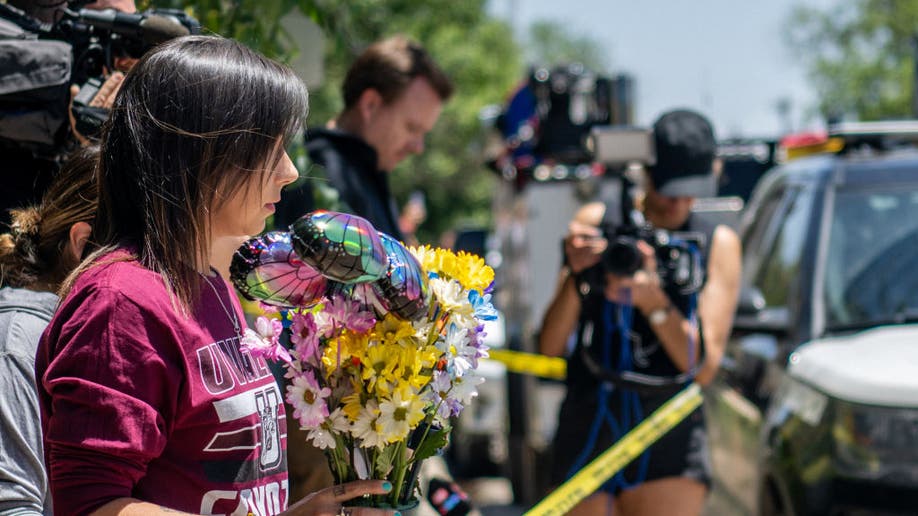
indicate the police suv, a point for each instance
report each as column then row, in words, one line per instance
column 815, row 410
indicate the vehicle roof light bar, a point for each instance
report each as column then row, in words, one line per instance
column 799, row 145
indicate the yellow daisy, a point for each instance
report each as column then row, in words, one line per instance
column 392, row 329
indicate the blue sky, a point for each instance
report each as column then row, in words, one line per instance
column 725, row 58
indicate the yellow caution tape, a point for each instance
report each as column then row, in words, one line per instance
column 529, row 363
column 611, row 461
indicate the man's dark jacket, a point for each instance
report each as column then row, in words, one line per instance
column 342, row 177
column 346, row 164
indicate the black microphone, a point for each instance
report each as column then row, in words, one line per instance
column 447, row 498
column 150, row 28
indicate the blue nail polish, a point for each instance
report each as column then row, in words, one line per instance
column 388, row 487
column 397, row 514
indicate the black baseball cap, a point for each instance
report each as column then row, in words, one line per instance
column 685, row 149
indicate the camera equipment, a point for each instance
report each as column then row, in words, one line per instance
column 679, row 263
column 569, row 100
column 680, row 267
column 98, row 37
column 78, row 48
column 549, row 117
column 621, row 145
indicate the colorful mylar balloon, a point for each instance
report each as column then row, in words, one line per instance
column 343, row 247
column 365, row 293
column 267, row 269
column 404, row 286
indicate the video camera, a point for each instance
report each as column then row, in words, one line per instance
column 679, row 263
column 98, row 37
column 87, row 42
column 678, row 257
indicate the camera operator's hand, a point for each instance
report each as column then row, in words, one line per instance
column 84, row 141
column 642, row 290
column 583, row 248
column 104, row 98
column 583, row 245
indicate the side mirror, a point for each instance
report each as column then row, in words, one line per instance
column 751, row 302
column 752, row 314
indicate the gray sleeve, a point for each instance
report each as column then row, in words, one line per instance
column 23, row 483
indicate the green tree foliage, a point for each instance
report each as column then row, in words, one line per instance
column 255, row 23
column 475, row 49
column 551, row 42
column 859, row 55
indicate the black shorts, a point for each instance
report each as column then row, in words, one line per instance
column 682, row 452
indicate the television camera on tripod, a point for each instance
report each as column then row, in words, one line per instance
column 44, row 50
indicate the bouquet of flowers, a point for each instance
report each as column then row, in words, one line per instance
column 385, row 341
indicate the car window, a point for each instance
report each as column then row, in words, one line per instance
column 782, row 263
column 872, row 254
column 759, row 231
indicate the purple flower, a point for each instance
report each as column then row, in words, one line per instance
column 349, row 314
column 264, row 341
column 268, row 309
column 476, row 337
column 438, row 394
column 305, row 337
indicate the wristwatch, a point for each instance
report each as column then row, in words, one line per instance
column 659, row 316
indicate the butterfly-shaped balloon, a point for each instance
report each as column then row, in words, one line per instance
column 343, row 247
column 267, row 269
column 403, row 288
column 366, row 293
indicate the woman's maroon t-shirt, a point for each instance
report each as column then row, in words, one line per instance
column 139, row 400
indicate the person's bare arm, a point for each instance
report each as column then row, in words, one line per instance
column 133, row 507
column 327, row 502
column 674, row 333
column 583, row 246
column 717, row 302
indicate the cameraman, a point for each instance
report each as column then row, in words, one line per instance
column 28, row 172
column 639, row 324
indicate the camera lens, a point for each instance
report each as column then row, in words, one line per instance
column 622, row 257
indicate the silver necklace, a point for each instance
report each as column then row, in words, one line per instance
column 230, row 314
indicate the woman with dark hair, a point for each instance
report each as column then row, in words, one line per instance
column 45, row 243
column 149, row 403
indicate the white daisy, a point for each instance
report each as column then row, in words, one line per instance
column 339, row 422
column 366, row 426
column 308, row 400
column 422, row 329
column 397, row 416
column 466, row 388
column 451, row 297
column 321, row 438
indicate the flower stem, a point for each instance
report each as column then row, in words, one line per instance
column 428, row 423
column 341, row 474
column 400, row 470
